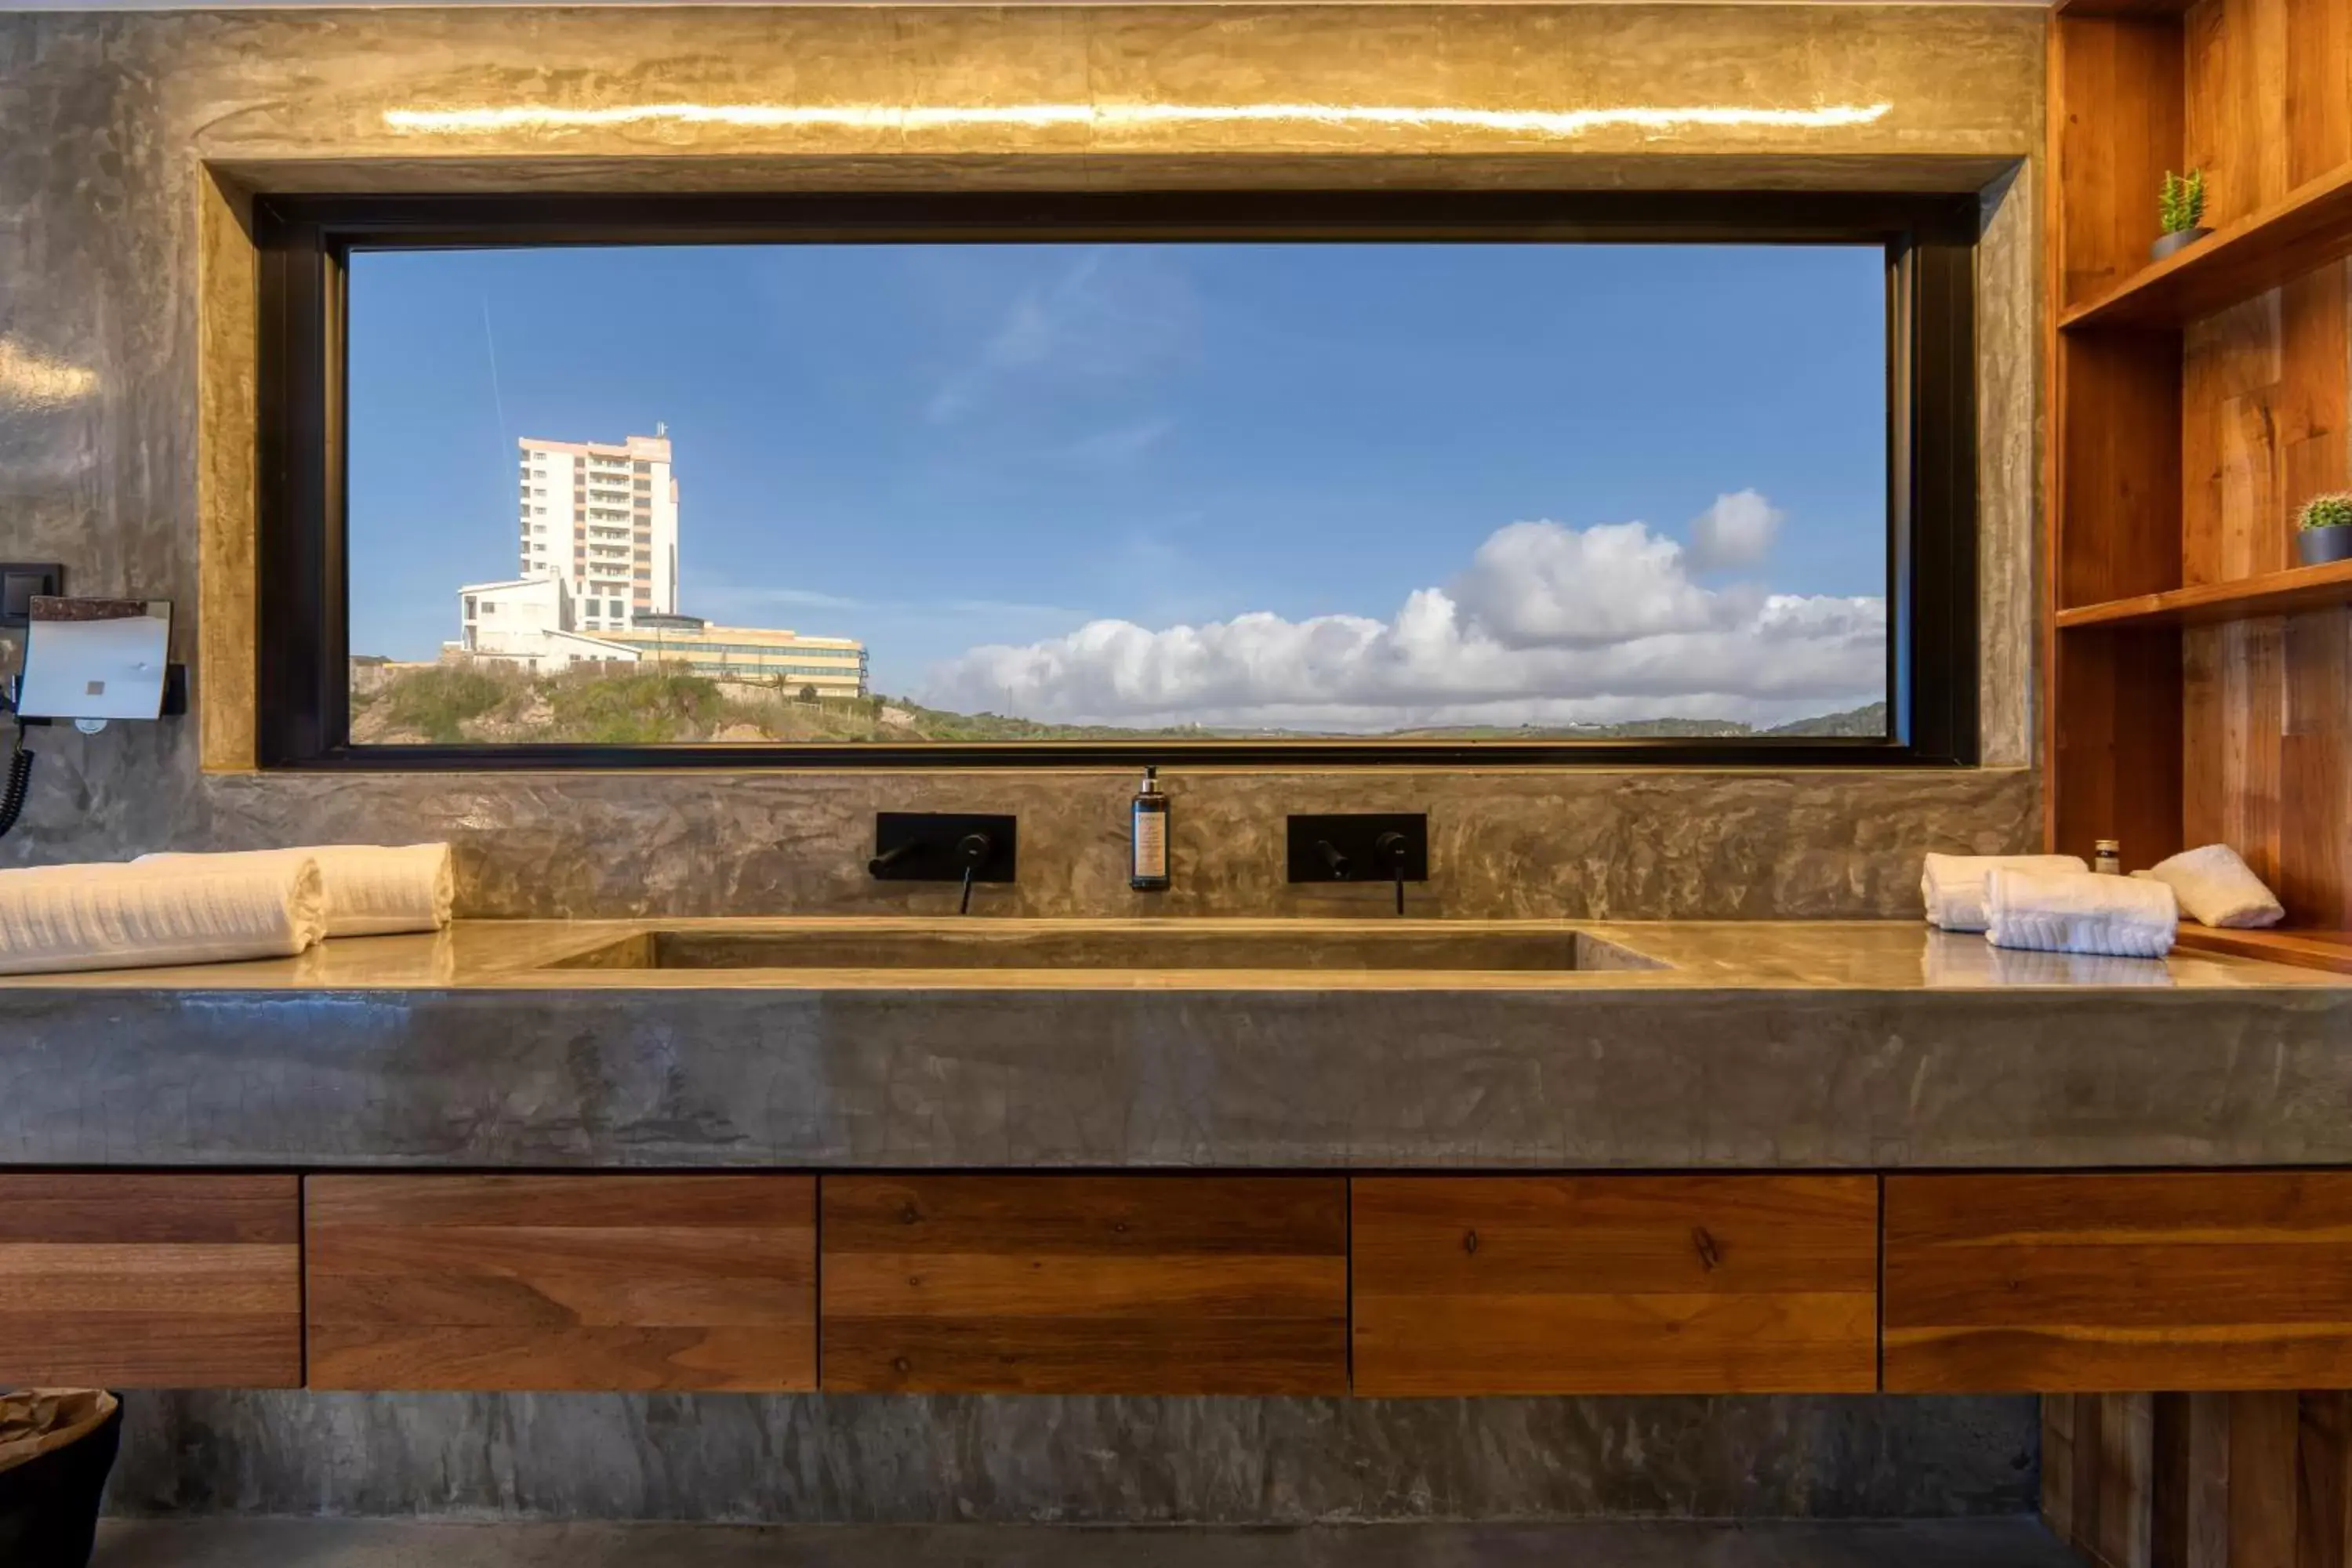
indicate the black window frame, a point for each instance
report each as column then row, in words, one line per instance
column 301, row 654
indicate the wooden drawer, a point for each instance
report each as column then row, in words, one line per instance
column 1086, row 1284
column 2090, row 1283
column 1470, row 1285
column 594, row 1281
column 151, row 1280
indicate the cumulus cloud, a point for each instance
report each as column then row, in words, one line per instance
column 1736, row 531
column 1548, row 625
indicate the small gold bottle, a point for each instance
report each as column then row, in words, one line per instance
column 2107, row 857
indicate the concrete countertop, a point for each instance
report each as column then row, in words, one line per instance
column 1873, row 1046
column 1836, row 955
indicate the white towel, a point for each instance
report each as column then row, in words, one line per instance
column 58, row 918
column 1953, row 885
column 373, row 890
column 2216, row 887
column 2080, row 911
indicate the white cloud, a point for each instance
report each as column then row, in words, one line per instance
column 1548, row 625
column 1736, row 532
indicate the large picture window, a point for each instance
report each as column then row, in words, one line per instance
column 1454, row 477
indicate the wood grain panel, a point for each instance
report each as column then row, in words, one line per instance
column 2089, row 1283
column 1614, row 1284
column 593, row 1281
column 2115, row 115
column 2117, row 762
column 151, row 1280
column 2200, row 1481
column 1192, row 1284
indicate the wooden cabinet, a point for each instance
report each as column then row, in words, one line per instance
column 590, row 1281
column 150, row 1281
column 2089, row 1283
column 1614, row 1284
column 1178, row 1284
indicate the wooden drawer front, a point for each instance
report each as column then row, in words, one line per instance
column 1615, row 1284
column 593, row 1281
column 151, row 1280
column 1087, row 1284
column 2087, row 1283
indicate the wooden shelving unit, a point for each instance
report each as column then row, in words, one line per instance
column 2200, row 681
column 2210, row 604
column 2310, row 228
column 2304, row 949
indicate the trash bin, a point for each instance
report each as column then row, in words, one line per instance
column 56, row 1448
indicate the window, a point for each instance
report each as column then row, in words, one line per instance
column 1378, row 477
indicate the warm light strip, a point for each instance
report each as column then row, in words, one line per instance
column 1563, row 122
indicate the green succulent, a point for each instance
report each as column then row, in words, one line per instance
column 2331, row 511
column 2180, row 203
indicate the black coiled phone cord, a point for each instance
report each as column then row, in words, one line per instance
column 20, row 779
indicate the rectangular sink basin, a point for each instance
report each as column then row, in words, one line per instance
column 1186, row 946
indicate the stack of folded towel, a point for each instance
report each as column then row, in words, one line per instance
column 209, row 909
column 56, row 918
column 2079, row 911
column 373, row 890
column 2217, row 887
column 1953, row 885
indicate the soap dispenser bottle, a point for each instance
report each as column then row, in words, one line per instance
column 1146, row 836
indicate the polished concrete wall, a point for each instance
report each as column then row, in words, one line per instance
column 134, row 143
column 126, row 285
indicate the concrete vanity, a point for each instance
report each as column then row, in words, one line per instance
column 1669, row 1045
column 1392, row 1159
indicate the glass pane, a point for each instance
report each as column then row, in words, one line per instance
column 989, row 492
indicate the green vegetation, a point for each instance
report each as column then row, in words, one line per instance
column 2180, row 202
column 440, row 702
column 458, row 704
column 2332, row 509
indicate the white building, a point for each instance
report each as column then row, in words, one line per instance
column 528, row 622
column 603, row 521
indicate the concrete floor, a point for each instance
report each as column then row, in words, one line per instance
column 348, row 1543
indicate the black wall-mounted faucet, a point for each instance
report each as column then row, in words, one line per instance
column 944, row 846
column 1361, row 846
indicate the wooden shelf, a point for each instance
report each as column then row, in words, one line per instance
column 2272, row 594
column 2311, row 228
column 2124, row 7
column 2303, row 949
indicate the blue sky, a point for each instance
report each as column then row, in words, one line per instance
column 938, row 448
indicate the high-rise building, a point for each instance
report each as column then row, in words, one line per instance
column 604, row 520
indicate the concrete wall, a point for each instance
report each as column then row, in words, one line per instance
column 134, row 143
column 123, row 262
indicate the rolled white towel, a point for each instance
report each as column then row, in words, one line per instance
column 1953, row 885
column 54, row 919
column 2217, row 887
column 2080, row 911
column 373, row 890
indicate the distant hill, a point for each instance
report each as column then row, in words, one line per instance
column 487, row 704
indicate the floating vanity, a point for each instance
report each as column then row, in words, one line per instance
column 1285, row 1158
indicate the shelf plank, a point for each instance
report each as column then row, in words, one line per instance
column 2207, row 604
column 2309, row 228
column 2158, row 8
column 2304, row 949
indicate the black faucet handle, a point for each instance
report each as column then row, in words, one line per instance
column 1333, row 859
column 1392, row 849
column 892, row 856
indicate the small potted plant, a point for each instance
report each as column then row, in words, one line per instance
column 2323, row 531
column 2180, row 211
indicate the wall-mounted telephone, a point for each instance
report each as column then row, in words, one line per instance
column 85, row 660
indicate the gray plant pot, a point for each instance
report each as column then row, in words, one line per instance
column 2172, row 242
column 2318, row 546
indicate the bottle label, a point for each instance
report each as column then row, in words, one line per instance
column 1151, row 844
